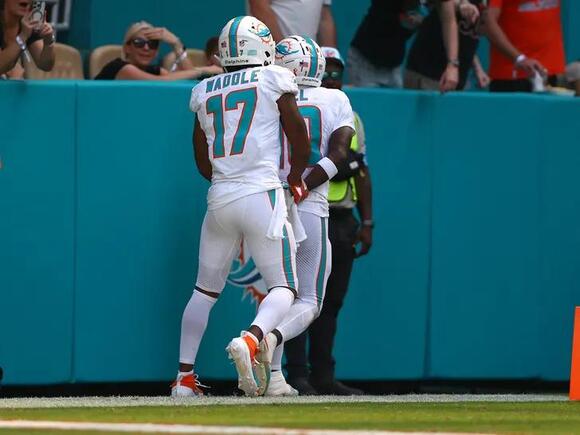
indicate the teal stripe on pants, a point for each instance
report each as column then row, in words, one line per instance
column 322, row 266
column 287, row 260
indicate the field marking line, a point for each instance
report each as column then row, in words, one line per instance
column 188, row 429
column 133, row 401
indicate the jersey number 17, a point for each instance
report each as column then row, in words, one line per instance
column 215, row 106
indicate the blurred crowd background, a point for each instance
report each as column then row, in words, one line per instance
column 386, row 43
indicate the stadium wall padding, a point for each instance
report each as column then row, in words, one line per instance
column 474, row 271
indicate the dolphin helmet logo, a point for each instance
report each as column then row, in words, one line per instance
column 262, row 32
column 284, row 49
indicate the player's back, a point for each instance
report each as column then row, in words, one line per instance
column 324, row 111
column 239, row 115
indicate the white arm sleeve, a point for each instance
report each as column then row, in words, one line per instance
column 276, row 81
column 344, row 115
column 194, row 102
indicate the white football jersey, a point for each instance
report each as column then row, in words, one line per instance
column 239, row 114
column 324, row 111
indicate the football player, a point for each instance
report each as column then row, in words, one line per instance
column 237, row 146
column 330, row 119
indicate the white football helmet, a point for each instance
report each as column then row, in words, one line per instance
column 246, row 40
column 303, row 57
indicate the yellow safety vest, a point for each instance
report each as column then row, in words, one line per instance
column 338, row 189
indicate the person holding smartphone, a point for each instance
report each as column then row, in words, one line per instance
column 140, row 49
column 23, row 38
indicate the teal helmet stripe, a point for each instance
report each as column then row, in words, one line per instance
column 313, row 57
column 233, row 36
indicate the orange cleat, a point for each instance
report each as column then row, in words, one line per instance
column 187, row 386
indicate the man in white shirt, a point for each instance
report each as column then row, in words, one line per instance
column 312, row 18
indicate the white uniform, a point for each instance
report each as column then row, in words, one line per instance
column 239, row 115
column 324, row 111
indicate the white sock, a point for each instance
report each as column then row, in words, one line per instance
column 298, row 319
column 277, row 358
column 273, row 309
column 193, row 324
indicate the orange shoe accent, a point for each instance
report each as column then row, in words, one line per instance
column 575, row 371
column 252, row 345
column 189, row 381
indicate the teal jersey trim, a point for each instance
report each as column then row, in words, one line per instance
column 313, row 58
column 233, row 36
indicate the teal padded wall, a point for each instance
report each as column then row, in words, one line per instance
column 37, row 246
column 474, row 270
column 485, row 239
column 392, row 284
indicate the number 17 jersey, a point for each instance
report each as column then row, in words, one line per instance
column 239, row 115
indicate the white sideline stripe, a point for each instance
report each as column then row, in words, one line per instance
column 131, row 401
column 189, row 429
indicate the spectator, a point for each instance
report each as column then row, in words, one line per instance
column 526, row 39
column 312, row 18
column 353, row 189
column 573, row 76
column 23, row 40
column 427, row 58
column 212, row 52
column 378, row 48
column 140, row 49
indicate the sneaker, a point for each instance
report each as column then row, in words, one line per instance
column 239, row 352
column 336, row 388
column 263, row 367
column 187, row 386
column 279, row 387
column 303, row 386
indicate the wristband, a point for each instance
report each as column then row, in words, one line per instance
column 368, row 223
column 178, row 60
column 23, row 47
column 328, row 166
column 454, row 62
column 21, row 42
column 520, row 58
column 182, row 56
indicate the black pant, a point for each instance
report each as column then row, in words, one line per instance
column 517, row 85
column 342, row 230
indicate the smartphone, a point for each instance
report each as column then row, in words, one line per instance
column 38, row 11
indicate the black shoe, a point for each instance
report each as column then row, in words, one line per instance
column 303, row 386
column 336, row 388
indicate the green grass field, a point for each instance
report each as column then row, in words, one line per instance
column 483, row 417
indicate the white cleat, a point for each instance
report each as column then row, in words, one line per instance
column 239, row 352
column 264, row 357
column 279, row 387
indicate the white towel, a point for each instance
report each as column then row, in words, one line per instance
column 294, row 219
column 279, row 215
